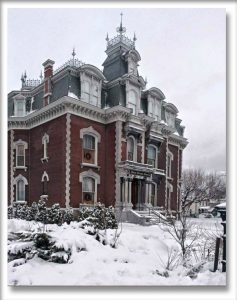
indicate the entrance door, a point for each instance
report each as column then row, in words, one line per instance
column 138, row 194
column 134, row 193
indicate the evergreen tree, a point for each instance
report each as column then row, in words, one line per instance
column 55, row 215
column 32, row 212
column 68, row 215
column 41, row 215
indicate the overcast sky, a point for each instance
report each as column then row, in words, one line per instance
column 182, row 53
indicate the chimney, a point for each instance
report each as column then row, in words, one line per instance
column 48, row 68
column 48, row 73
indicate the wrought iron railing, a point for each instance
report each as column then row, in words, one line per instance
column 120, row 38
column 73, row 62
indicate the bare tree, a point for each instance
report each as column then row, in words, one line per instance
column 196, row 187
column 200, row 187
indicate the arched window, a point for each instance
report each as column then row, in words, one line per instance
column 88, row 189
column 89, row 149
column 132, row 101
column 169, row 163
column 89, row 180
column 20, row 190
column 45, row 141
column 152, row 156
column 131, row 149
column 20, row 182
column 90, row 138
column 20, row 147
column 45, row 180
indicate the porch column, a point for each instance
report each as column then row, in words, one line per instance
column 148, row 192
column 129, row 190
column 126, row 191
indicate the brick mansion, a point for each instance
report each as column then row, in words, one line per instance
column 79, row 136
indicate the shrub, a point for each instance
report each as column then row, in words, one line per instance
column 41, row 240
column 68, row 216
column 41, row 215
column 55, row 215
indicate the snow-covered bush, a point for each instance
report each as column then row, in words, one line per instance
column 41, row 215
column 41, row 240
column 84, row 213
column 32, row 212
column 102, row 218
column 55, row 215
column 68, row 216
column 16, row 211
column 10, row 212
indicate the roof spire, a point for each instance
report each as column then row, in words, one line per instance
column 121, row 29
column 107, row 37
column 41, row 76
column 73, row 55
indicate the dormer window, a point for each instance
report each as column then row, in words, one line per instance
column 91, row 84
column 154, row 109
column 132, row 101
column 19, row 106
column 170, row 119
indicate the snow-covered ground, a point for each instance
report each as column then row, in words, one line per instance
column 139, row 258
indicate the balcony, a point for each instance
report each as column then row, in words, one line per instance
column 135, row 168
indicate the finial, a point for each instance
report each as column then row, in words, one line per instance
column 25, row 76
column 73, row 52
column 22, row 77
column 121, row 29
column 107, row 37
column 41, row 76
column 134, row 37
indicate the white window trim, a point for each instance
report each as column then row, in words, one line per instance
column 93, row 175
column 45, row 141
column 15, row 181
column 135, row 147
column 169, row 154
column 15, row 146
column 156, row 159
column 91, row 131
column 170, row 189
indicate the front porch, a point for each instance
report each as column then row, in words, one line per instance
column 138, row 186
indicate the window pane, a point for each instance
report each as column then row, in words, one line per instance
column 20, row 150
column 151, row 152
column 88, row 142
column 20, row 190
column 86, row 87
column 88, row 184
